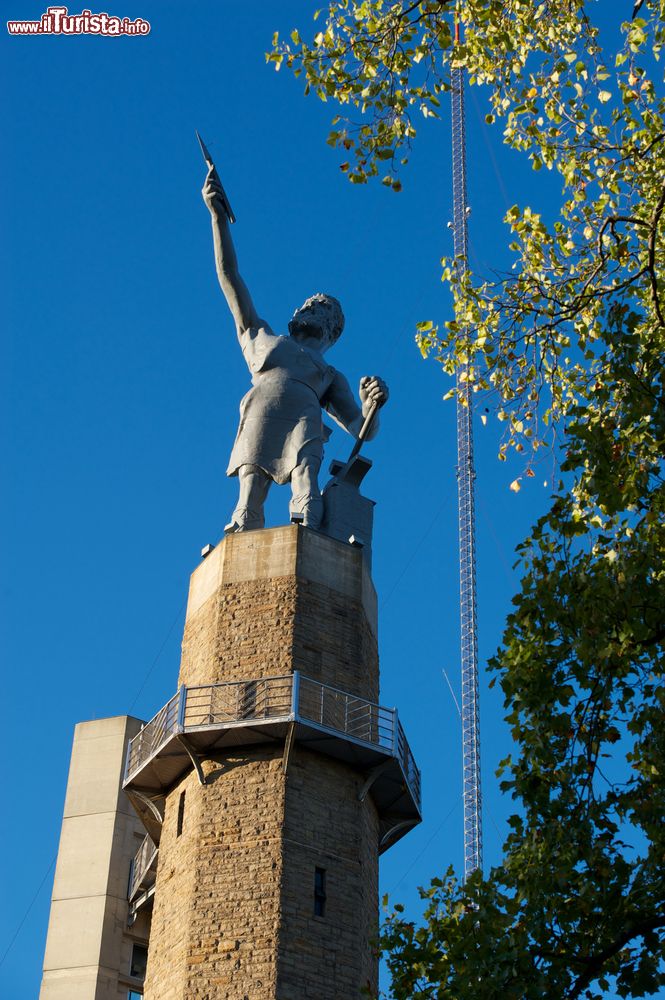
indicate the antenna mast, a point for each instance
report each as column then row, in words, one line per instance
column 473, row 849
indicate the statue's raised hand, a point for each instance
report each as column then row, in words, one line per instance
column 373, row 391
column 213, row 194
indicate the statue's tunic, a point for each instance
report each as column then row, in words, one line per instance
column 280, row 417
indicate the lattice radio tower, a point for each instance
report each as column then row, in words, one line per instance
column 473, row 845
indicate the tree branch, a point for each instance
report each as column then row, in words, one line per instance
column 595, row 963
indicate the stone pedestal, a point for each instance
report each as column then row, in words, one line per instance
column 269, row 602
column 267, row 875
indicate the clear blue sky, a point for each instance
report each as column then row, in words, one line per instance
column 121, row 380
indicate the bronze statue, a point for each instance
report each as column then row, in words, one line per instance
column 281, row 433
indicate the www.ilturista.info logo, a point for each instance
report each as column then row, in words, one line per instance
column 58, row 21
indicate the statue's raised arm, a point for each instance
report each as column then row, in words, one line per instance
column 234, row 288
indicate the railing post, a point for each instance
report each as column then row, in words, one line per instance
column 182, row 701
column 128, row 757
column 130, row 883
column 295, row 693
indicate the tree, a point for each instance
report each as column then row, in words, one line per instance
column 570, row 343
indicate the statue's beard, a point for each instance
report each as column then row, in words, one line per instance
column 303, row 328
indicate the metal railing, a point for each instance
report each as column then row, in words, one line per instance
column 143, row 861
column 407, row 760
column 154, row 734
column 236, row 701
column 345, row 713
column 289, row 697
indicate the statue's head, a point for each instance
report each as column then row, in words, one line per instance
column 320, row 316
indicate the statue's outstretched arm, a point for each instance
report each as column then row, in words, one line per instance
column 234, row 288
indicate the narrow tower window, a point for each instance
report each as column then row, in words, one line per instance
column 139, row 961
column 319, row 892
column 181, row 814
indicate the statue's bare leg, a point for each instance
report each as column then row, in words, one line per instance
column 254, row 484
column 306, row 501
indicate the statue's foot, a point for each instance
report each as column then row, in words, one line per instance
column 308, row 512
column 244, row 519
column 232, row 527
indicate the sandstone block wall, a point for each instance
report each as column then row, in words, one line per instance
column 325, row 826
column 234, row 912
column 234, row 915
column 270, row 602
column 216, row 911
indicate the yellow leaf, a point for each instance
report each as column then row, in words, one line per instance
column 515, row 486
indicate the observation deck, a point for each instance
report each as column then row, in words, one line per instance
column 212, row 719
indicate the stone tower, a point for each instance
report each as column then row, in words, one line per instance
column 272, row 780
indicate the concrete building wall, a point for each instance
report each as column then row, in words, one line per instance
column 88, row 945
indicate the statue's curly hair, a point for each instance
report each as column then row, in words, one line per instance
column 325, row 312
